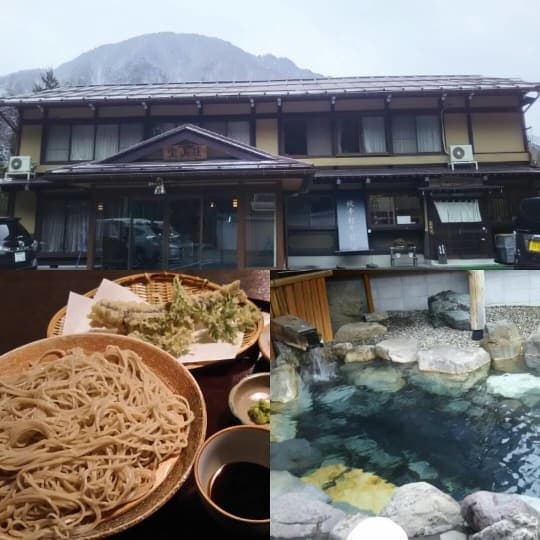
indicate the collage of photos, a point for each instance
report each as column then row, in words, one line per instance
column 285, row 294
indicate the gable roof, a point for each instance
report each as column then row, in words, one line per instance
column 331, row 86
column 234, row 157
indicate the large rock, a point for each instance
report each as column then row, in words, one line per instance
column 379, row 379
column 485, row 508
column 359, row 331
column 282, row 482
column 532, row 350
column 284, row 384
column 294, row 455
column 422, row 510
column 344, row 527
column 360, row 353
column 339, row 350
column 516, row 527
column 504, row 344
column 282, row 427
column 452, row 361
column 296, row 517
column 366, row 491
column 448, row 371
column 400, row 350
column 449, row 308
column 522, row 386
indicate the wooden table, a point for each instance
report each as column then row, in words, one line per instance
column 30, row 298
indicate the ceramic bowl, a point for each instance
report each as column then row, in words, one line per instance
column 235, row 444
column 246, row 393
column 173, row 374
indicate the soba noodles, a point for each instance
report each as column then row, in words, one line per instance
column 81, row 435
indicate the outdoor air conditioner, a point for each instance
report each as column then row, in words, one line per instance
column 263, row 202
column 20, row 165
column 461, row 154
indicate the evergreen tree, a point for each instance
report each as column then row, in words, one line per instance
column 48, row 81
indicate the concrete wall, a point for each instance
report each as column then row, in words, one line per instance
column 408, row 291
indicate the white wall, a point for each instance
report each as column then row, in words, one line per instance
column 411, row 290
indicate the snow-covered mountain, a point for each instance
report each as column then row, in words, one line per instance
column 151, row 58
column 162, row 57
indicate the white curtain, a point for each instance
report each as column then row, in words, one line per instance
column 130, row 133
column 52, row 228
column 57, row 143
column 428, row 133
column 319, row 141
column 239, row 130
column 82, row 142
column 106, row 140
column 404, row 134
column 373, row 134
column 76, row 234
column 458, row 211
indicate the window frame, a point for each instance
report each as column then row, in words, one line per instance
column 415, row 114
column 78, row 122
column 393, row 226
column 359, row 118
column 303, row 229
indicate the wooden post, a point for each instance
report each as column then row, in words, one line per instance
column 478, row 304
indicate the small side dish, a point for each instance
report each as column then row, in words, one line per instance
column 249, row 399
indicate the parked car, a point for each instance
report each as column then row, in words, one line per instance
column 146, row 238
column 527, row 234
column 18, row 250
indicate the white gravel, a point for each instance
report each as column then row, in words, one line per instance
column 416, row 325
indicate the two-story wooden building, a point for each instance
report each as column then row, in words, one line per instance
column 301, row 173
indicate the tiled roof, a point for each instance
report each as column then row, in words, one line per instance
column 334, row 86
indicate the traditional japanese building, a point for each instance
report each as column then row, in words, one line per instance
column 301, row 173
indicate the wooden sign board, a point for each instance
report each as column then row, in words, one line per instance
column 185, row 152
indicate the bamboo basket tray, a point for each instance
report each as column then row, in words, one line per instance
column 158, row 287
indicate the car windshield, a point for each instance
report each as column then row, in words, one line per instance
column 13, row 231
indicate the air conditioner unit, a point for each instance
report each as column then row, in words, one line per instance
column 263, row 202
column 20, row 165
column 461, row 154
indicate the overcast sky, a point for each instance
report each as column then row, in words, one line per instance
column 339, row 37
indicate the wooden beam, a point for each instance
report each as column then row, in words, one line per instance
column 477, row 303
column 369, row 295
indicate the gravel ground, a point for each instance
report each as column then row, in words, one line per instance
column 415, row 324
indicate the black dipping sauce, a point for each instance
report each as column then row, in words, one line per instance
column 242, row 489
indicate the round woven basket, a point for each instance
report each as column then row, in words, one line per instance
column 157, row 287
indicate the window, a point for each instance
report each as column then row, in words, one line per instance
column 413, row 134
column 389, row 210
column 64, row 227
column 311, row 225
column 307, row 136
column 235, row 129
column 57, row 143
column 261, row 231
column 361, row 135
column 82, row 143
column 85, row 142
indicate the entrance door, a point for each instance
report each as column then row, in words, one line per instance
column 185, row 229
column 460, row 224
column 203, row 232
